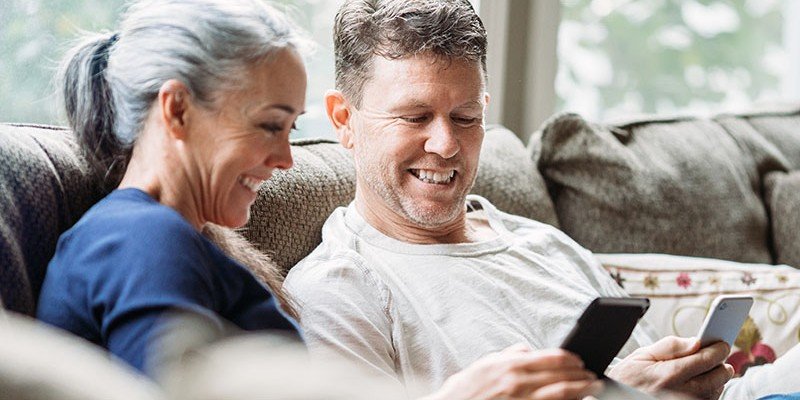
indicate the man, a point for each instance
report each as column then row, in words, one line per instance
column 410, row 285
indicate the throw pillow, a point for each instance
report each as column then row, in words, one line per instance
column 661, row 186
column 782, row 128
column 681, row 290
column 782, row 195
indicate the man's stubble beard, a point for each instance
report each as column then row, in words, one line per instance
column 406, row 206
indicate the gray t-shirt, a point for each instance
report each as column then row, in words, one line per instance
column 420, row 313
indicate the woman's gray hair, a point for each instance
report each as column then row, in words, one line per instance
column 110, row 81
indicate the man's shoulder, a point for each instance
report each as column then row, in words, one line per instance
column 328, row 260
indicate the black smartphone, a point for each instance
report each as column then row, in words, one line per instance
column 603, row 329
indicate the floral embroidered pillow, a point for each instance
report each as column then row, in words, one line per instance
column 681, row 290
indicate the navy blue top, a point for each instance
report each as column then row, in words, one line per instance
column 128, row 260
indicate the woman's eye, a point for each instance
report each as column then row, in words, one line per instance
column 273, row 128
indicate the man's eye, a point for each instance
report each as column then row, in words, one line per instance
column 465, row 120
column 415, row 119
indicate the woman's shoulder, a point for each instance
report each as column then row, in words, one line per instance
column 132, row 209
column 128, row 227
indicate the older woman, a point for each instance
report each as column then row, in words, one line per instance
column 185, row 111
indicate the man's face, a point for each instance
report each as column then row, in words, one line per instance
column 417, row 136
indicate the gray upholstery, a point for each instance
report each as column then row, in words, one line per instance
column 782, row 193
column 291, row 208
column 44, row 189
column 683, row 187
column 781, row 129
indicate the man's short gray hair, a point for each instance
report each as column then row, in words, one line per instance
column 393, row 29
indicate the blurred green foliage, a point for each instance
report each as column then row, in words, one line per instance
column 671, row 55
column 35, row 35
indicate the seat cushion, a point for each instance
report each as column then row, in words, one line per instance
column 45, row 187
column 782, row 192
column 38, row 362
column 680, row 186
column 287, row 217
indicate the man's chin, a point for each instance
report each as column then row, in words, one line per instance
column 432, row 216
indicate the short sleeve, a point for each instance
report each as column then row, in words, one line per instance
column 343, row 310
column 112, row 285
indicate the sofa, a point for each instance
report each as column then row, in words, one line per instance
column 718, row 194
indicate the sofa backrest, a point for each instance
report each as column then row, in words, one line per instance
column 45, row 186
column 686, row 186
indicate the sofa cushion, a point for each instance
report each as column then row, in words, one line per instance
column 681, row 290
column 287, row 217
column 782, row 193
column 781, row 128
column 45, row 187
column 681, row 186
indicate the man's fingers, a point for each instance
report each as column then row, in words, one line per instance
column 710, row 384
column 672, row 347
column 544, row 378
column 568, row 390
column 550, row 359
column 701, row 362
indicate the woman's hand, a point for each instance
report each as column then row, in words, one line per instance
column 521, row 373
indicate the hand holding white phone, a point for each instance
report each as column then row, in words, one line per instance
column 725, row 319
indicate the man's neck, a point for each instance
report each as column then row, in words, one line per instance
column 459, row 230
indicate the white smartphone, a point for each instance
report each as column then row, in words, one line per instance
column 725, row 319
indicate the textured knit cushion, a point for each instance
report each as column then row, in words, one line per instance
column 41, row 363
column 681, row 290
column 782, row 128
column 783, row 200
column 287, row 218
column 44, row 189
column 680, row 187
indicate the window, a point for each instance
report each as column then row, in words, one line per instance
column 35, row 34
column 618, row 57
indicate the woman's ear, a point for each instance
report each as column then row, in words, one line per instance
column 340, row 115
column 174, row 101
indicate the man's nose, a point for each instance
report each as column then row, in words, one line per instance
column 442, row 139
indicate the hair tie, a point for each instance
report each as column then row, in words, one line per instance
column 113, row 39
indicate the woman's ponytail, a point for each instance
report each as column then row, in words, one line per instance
column 89, row 107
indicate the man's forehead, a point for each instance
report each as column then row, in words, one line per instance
column 409, row 79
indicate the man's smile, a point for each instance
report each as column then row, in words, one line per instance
column 440, row 177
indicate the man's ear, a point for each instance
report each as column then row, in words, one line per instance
column 174, row 101
column 340, row 115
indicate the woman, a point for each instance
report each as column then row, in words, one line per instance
column 186, row 111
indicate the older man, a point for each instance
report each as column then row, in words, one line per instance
column 409, row 282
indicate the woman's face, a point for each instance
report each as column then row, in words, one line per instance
column 236, row 146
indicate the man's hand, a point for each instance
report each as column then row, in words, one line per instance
column 521, row 373
column 677, row 364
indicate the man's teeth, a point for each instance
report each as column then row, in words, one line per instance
column 434, row 176
column 250, row 183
